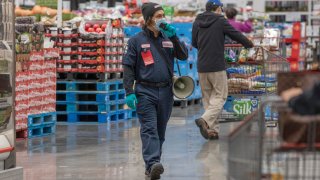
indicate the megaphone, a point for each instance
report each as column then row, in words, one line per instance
column 183, row 86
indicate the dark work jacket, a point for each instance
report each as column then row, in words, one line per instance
column 134, row 67
column 307, row 103
column 208, row 36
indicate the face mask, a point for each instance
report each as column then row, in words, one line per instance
column 160, row 23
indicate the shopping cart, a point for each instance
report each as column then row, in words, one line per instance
column 288, row 151
column 250, row 79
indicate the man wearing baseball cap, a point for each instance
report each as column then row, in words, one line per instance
column 149, row 63
column 208, row 36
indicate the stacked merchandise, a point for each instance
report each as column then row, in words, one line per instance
column 35, row 81
column 90, row 86
column 251, row 74
column 246, row 77
column 187, row 68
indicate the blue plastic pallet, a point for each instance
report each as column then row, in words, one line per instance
column 132, row 114
column 118, row 116
column 98, row 107
column 41, row 119
column 81, row 106
column 49, row 118
column 115, row 107
column 118, row 96
column 35, row 120
column 75, row 117
column 43, row 130
column 183, row 30
column 131, row 31
column 193, row 55
column 111, row 85
column 95, row 96
column 48, row 129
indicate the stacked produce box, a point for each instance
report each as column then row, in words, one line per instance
column 90, row 86
column 35, row 81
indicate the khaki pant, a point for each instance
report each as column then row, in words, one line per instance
column 214, row 87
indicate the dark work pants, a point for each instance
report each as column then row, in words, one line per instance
column 154, row 110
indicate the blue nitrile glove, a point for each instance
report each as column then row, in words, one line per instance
column 169, row 30
column 131, row 101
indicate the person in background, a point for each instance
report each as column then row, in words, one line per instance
column 245, row 27
column 149, row 63
column 208, row 36
column 303, row 103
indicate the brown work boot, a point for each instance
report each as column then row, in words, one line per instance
column 201, row 123
column 213, row 135
column 155, row 172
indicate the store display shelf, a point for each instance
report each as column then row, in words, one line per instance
column 87, row 70
column 66, row 45
column 69, row 53
column 101, row 45
column 90, row 53
column 63, row 70
column 67, row 61
column 62, row 35
column 113, row 61
column 89, row 62
column 290, row 40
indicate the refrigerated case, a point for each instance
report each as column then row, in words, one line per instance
column 7, row 74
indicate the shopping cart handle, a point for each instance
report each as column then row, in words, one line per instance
column 7, row 149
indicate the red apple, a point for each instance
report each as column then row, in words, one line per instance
column 87, row 26
column 103, row 26
column 90, row 30
column 95, row 26
column 98, row 30
column 100, row 59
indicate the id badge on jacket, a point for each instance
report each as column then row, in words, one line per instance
column 147, row 55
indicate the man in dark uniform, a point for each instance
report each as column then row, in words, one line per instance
column 149, row 61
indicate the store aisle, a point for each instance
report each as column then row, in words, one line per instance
column 113, row 152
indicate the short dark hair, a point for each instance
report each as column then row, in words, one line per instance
column 231, row 13
column 211, row 7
